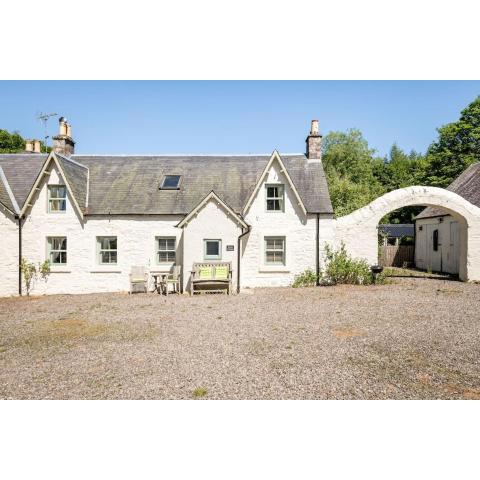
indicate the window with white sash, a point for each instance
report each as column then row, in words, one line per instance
column 274, row 250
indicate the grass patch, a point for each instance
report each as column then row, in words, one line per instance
column 199, row 392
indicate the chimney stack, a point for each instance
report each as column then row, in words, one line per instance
column 37, row 146
column 314, row 143
column 63, row 142
column 28, row 146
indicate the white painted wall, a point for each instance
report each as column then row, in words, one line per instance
column 82, row 274
column 8, row 253
column 211, row 223
column 298, row 229
column 358, row 231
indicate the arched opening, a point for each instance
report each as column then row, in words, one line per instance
column 427, row 241
column 358, row 231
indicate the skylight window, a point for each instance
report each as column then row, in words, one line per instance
column 170, row 182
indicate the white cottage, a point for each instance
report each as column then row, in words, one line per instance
column 95, row 216
column 437, row 231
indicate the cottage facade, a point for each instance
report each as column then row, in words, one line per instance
column 93, row 217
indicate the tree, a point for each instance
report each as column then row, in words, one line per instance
column 349, row 167
column 400, row 170
column 11, row 142
column 15, row 143
column 457, row 147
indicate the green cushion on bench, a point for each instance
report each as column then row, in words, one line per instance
column 205, row 273
column 221, row 272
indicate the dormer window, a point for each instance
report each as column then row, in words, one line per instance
column 170, row 182
column 275, row 198
column 57, row 198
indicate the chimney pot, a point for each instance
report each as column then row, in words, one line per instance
column 63, row 142
column 37, row 147
column 314, row 143
column 62, row 125
column 28, row 146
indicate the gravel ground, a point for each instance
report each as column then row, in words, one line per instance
column 414, row 339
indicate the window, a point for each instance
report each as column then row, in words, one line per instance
column 170, row 182
column 275, row 250
column 435, row 240
column 212, row 249
column 275, row 195
column 166, row 249
column 107, row 250
column 57, row 250
column 57, row 198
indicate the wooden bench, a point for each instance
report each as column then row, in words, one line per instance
column 211, row 274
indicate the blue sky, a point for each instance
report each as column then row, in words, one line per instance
column 233, row 117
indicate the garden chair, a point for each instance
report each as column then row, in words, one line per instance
column 138, row 277
column 171, row 279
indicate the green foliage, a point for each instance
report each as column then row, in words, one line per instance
column 44, row 269
column 30, row 272
column 349, row 167
column 308, row 278
column 11, row 142
column 199, row 392
column 341, row 268
column 15, row 143
column 457, row 147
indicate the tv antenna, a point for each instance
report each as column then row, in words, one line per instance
column 43, row 117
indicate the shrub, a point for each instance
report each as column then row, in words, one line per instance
column 30, row 272
column 308, row 278
column 340, row 267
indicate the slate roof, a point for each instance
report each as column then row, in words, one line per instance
column 4, row 196
column 397, row 230
column 129, row 184
column 467, row 185
column 77, row 177
column 21, row 171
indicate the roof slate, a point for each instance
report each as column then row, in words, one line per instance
column 397, row 230
column 130, row 184
column 77, row 177
column 467, row 185
column 4, row 196
column 21, row 171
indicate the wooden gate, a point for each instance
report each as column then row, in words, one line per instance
column 396, row 255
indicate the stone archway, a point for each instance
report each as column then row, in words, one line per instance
column 358, row 230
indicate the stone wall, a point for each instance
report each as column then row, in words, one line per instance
column 9, row 253
column 358, row 231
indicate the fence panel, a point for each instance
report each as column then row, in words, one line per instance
column 396, row 255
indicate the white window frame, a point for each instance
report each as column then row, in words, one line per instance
column 100, row 250
column 51, row 250
column 168, row 250
column 280, row 198
column 283, row 250
column 212, row 257
column 51, row 199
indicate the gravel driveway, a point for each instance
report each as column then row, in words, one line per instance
column 416, row 338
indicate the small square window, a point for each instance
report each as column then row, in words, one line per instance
column 274, row 250
column 212, row 249
column 57, row 198
column 57, row 250
column 275, row 198
column 107, row 250
column 166, row 249
column 170, row 182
